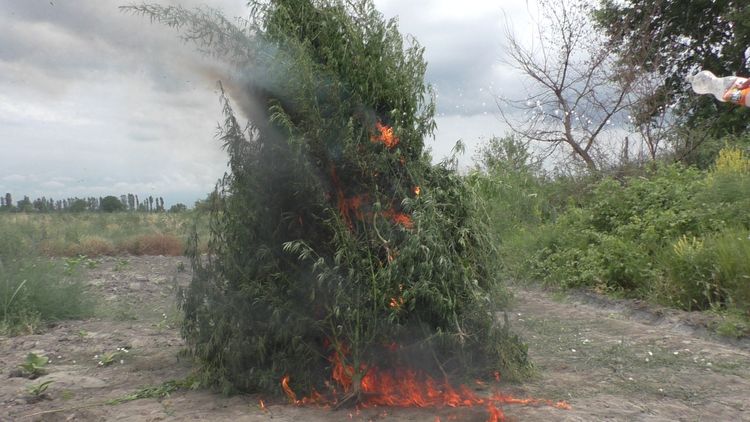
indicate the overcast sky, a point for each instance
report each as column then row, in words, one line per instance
column 95, row 102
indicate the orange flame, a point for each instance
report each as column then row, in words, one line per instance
column 351, row 207
column 288, row 390
column 399, row 218
column 417, row 190
column 384, row 135
column 396, row 303
column 408, row 388
column 348, row 207
column 494, row 414
column 262, row 405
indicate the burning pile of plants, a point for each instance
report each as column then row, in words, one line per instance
column 337, row 249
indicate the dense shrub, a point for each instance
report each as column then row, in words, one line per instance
column 713, row 271
column 333, row 234
column 676, row 234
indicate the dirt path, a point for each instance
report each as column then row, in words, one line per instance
column 614, row 362
column 608, row 361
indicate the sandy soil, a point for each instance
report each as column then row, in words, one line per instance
column 610, row 360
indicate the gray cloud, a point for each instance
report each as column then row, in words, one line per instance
column 94, row 101
column 464, row 49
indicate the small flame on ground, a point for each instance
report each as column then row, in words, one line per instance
column 417, row 190
column 288, row 390
column 262, row 405
column 409, row 388
column 494, row 414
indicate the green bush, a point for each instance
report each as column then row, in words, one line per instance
column 725, row 199
column 689, row 268
column 677, row 235
column 333, row 234
column 733, row 268
column 711, row 272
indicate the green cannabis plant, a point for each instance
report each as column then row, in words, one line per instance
column 332, row 234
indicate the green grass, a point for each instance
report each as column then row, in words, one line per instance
column 34, row 289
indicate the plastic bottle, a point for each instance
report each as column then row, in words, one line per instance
column 732, row 89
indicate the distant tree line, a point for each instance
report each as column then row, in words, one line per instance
column 129, row 202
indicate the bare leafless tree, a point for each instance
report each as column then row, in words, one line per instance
column 579, row 90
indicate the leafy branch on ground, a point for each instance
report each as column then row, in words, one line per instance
column 156, row 392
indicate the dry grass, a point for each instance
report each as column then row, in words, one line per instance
column 98, row 234
column 95, row 245
column 154, row 244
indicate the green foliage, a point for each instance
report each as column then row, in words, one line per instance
column 610, row 241
column 33, row 366
column 514, row 199
column 519, row 198
column 78, row 205
column 696, row 148
column 678, row 37
column 320, row 241
column 709, row 272
column 111, row 204
column 178, row 207
column 677, row 235
column 511, row 184
column 674, row 235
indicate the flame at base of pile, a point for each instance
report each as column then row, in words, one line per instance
column 406, row 388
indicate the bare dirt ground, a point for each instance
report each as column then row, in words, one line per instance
column 610, row 360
